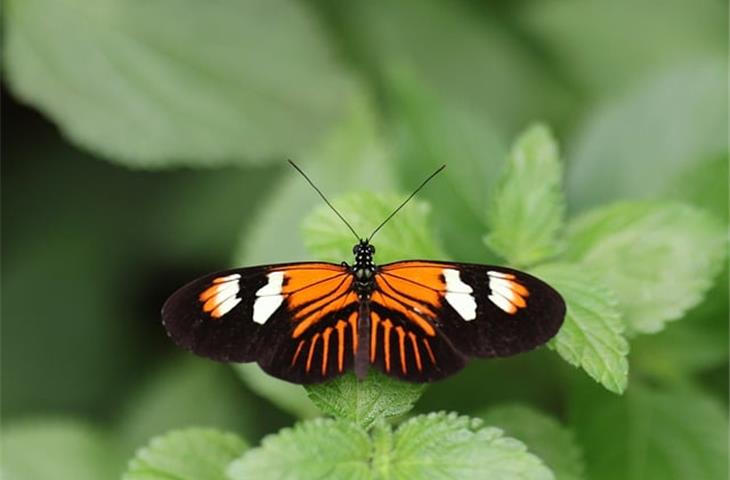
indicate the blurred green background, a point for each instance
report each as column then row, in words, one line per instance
column 144, row 144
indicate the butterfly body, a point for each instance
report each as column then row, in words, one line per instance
column 418, row 320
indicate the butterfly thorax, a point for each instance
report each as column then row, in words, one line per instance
column 364, row 268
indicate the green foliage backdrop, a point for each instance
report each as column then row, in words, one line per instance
column 145, row 144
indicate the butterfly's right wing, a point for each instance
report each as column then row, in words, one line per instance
column 430, row 317
column 298, row 321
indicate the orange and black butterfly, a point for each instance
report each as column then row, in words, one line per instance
column 418, row 320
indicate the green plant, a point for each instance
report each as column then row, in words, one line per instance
column 625, row 269
column 100, row 222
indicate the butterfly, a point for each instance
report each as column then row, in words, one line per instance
column 417, row 320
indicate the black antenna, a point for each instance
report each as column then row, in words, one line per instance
column 325, row 199
column 406, row 201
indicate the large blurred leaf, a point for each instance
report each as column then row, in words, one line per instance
column 544, row 437
column 287, row 396
column 651, row 434
column 407, row 236
column 703, row 184
column 428, row 133
column 365, row 401
column 171, row 82
column 649, row 138
column 191, row 454
column 528, row 208
column 59, row 449
column 603, row 46
column 113, row 243
column 179, row 396
column 659, row 258
column 486, row 382
column 592, row 336
column 465, row 52
column 700, row 342
column 691, row 346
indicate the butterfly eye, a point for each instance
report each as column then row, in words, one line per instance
column 372, row 248
column 354, row 250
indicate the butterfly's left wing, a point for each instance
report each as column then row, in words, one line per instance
column 297, row 320
column 430, row 317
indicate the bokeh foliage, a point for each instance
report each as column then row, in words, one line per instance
column 150, row 148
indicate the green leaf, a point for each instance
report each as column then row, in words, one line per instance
column 428, row 132
column 639, row 145
column 544, row 437
column 674, row 434
column 659, row 258
column 168, row 83
column 592, row 336
column 603, row 47
column 683, row 349
column 192, row 454
column 289, row 397
column 434, row 446
column 466, row 52
column 174, row 398
column 704, row 185
column 365, row 401
column 528, row 207
column 448, row 446
column 314, row 449
column 60, row 449
column 407, row 236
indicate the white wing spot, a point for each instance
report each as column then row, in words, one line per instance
column 459, row 295
column 502, row 288
column 234, row 276
column 225, row 297
column 268, row 298
column 503, row 303
column 507, row 294
column 508, row 276
column 226, row 306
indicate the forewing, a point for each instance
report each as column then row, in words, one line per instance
column 293, row 319
column 476, row 310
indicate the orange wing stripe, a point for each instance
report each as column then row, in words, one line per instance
column 387, row 325
column 319, row 296
column 208, row 293
column 412, row 336
column 325, row 353
column 393, row 300
column 327, row 305
column 402, row 348
column 340, row 344
column 426, row 290
column 518, row 301
column 311, row 351
column 519, row 288
column 374, row 320
column 322, row 307
column 430, row 352
column 296, row 354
